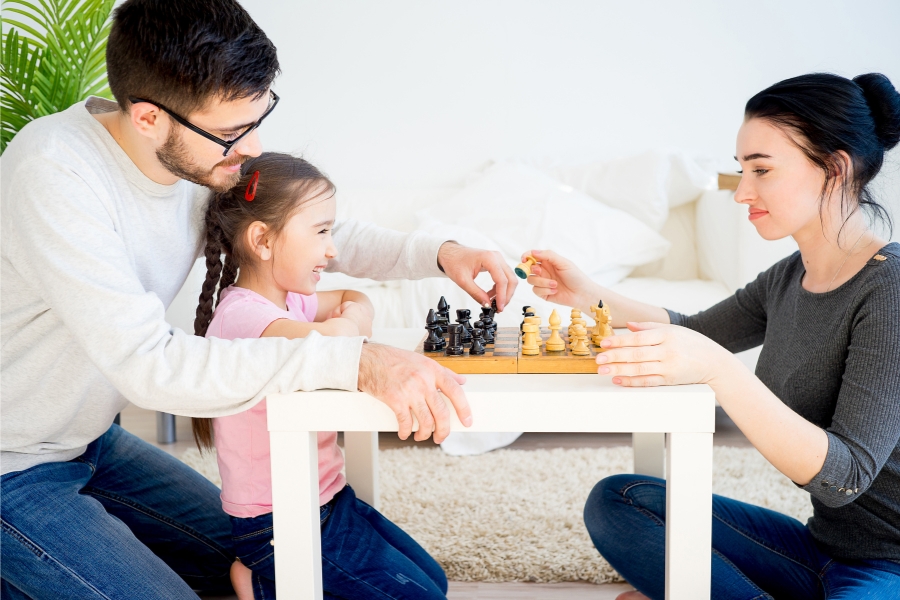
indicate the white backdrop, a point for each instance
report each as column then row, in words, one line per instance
column 406, row 93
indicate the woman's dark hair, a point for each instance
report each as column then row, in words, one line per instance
column 284, row 184
column 183, row 54
column 824, row 114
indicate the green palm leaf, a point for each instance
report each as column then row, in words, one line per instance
column 53, row 56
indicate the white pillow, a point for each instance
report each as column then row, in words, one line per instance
column 514, row 208
column 645, row 186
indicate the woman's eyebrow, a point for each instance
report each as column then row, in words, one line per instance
column 754, row 156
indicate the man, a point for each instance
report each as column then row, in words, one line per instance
column 102, row 220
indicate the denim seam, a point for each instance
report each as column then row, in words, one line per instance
column 641, row 509
column 157, row 516
column 86, row 462
column 764, row 595
column 249, row 535
column 45, row 556
column 764, row 545
column 251, row 565
column 362, row 581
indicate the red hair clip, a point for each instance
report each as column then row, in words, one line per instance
column 250, row 192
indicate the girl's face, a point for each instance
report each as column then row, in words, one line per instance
column 303, row 248
column 781, row 186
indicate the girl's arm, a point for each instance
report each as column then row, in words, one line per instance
column 329, row 301
column 288, row 328
column 558, row 280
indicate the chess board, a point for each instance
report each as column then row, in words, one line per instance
column 505, row 356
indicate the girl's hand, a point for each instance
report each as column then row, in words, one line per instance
column 339, row 326
column 358, row 313
column 558, row 280
column 657, row 354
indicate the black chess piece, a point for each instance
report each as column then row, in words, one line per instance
column 443, row 314
column 455, row 346
column 462, row 317
column 487, row 333
column 477, row 347
column 435, row 342
column 487, row 318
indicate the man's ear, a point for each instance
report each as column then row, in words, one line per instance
column 147, row 119
column 258, row 240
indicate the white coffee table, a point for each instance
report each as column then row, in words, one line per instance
column 530, row 403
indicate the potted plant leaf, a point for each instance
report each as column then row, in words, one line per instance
column 53, row 55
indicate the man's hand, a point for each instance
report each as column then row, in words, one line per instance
column 411, row 385
column 462, row 265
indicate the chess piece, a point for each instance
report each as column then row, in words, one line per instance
column 555, row 343
column 487, row 318
column 443, row 314
column 527, row 311
column 462, row 317
column 455, row 345
column 530, row 345
column 580, row 348
column 434, row 342
column 574, row 324
column 537, row 321
column 602, row 329
column 486, row 332
column 524, row 269
column 575, row 314
column 477, row 347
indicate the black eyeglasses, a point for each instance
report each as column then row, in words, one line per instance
column 227, row 144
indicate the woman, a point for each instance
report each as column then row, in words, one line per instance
column 824, row 405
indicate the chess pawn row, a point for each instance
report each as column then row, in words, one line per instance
column 536, row 321
column 580, row 346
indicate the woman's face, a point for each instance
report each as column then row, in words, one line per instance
column 780, row 186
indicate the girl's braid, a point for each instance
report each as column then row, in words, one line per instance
column 213, row 254
column 229, row 275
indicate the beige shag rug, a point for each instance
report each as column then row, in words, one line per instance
column 516, row 515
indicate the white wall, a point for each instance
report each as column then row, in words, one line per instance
column 411, row 93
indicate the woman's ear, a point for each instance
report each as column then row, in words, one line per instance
column 258, row 240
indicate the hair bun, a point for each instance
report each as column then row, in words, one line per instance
column 884, row 102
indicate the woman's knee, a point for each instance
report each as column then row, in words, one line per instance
column 611, row 502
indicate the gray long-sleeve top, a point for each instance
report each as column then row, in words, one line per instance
column 834, row 358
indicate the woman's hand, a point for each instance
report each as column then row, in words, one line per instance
column 357, row 313
column 656, row 354
column 558, row 280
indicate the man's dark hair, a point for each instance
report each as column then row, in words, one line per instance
column 186, row 53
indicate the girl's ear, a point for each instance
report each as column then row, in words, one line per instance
column 258, row 240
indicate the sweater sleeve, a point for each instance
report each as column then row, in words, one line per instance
column 865, row 428
column 737, row 323
column 367, row 250
column 67, row 248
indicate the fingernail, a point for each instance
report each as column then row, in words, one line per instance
column 603, row 371
column 468, row 421
column 602, row 358
column 617, row 380
column 606, row 343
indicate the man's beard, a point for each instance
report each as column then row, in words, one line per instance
column 177, row 160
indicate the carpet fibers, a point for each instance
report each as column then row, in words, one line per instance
column 515, row 515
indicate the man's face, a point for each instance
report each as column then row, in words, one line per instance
column 188, row 155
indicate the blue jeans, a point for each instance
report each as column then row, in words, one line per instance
column 363, row 555
column 756, row 552
column 123, row 520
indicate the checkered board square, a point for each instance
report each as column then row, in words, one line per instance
column 505, row 356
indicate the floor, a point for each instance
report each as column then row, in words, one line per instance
column 143, row 424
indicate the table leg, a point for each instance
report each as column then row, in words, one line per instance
column 295, row 509
column 688, row 516
column 649, row 454
column 361, row 458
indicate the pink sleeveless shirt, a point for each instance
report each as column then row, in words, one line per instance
column 242, row 440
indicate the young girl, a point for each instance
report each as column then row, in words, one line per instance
column 824, row 405
column 274, row 229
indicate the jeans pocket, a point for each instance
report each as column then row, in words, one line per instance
column 257, row 553
column 324, row 513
